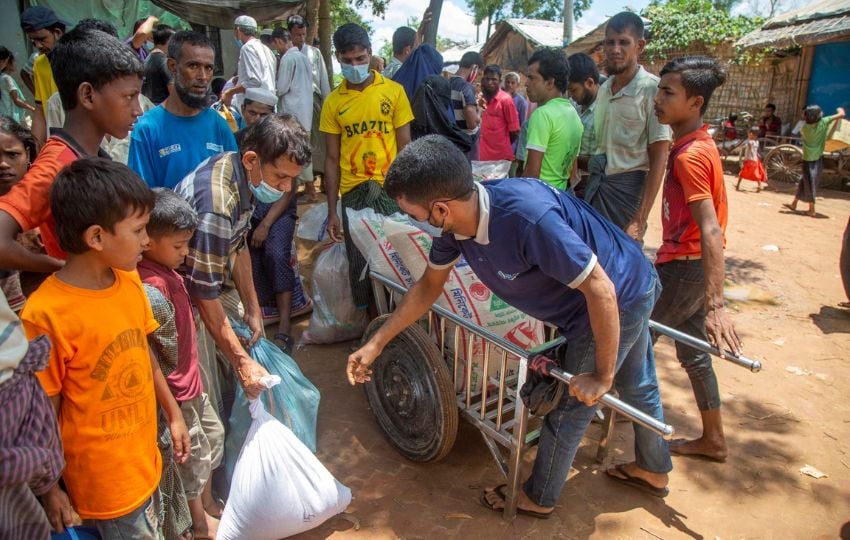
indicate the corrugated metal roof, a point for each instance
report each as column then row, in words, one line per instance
column 453, row 55
column 808, row 25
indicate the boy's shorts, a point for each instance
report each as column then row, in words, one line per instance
column 142, row 523
column 207, row 435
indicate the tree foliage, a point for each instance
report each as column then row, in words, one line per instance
column 550, row 10
column 343, row 12
column 679, row 25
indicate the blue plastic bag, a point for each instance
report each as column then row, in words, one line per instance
column 294, row 402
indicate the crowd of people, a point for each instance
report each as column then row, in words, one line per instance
column 147, row 207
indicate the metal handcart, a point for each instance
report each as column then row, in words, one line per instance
column 420, row 383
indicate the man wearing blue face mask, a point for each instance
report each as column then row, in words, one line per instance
column 366, row 122
column 223, row 191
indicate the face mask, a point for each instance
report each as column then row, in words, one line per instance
column 148, row 46
column 264, row 192
column 355, row 74
column 238, row 43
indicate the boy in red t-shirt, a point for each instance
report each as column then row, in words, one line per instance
column 690, row 261
column 99, row 80
column 171, row 226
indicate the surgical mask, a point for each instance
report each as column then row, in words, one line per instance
column 148, row 46
column 355, row 74
column 264, row 192
column 238, row 43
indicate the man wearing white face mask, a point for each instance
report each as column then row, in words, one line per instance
column 223, row 190
column 366, row 122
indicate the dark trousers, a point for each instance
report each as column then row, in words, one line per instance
column 844, row 261
column 681, row 307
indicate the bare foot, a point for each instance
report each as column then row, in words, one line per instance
column 713, row 450
column 495, row 497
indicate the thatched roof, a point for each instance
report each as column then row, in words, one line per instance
column 809, row 25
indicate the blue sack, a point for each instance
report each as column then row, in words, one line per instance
column 295, row 401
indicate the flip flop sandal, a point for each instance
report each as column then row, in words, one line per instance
column 284, row 343
column 636, row 482
column 789, row 207
column 500, row 491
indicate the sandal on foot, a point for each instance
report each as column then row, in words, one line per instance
column 284, row 343
column 789, row 207
column 500, row 491
column 636, row 482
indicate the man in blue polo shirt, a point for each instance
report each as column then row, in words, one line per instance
column 552, row 256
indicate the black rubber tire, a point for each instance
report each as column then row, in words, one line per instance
column 412, row 396
column 783, row 165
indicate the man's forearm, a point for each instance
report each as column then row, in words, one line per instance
column 39, row 124
column 278, row 208
column 243, row 277
column 657, row 167
column 331, row 179
column 14, row 256
column 215, row 320
column 713, row 265
column 415, row 303
column 601, row 298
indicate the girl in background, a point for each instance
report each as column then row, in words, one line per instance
column 12, row 102
column 752, row 169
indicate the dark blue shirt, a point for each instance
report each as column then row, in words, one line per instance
column 536, row 244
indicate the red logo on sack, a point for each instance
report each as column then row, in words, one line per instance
column 479, row 292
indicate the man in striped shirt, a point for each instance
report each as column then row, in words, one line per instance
column 222, row 190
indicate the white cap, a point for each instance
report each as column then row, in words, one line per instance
column 451, row 68
column 246, row 21
column 261, row 95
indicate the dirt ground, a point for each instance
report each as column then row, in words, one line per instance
column 792, row 414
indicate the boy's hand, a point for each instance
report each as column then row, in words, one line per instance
column 180, row 439
column 721, row 333
column 59, row 511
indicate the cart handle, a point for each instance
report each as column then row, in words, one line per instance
column 704, row 346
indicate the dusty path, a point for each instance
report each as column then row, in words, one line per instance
column 795, row 412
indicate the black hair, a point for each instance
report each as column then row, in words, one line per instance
column 552, row 64
column 700, row 75
column 175, row 44
column 470, row 59
column 770, row 106
column 813, row 114
column 493, row 68
column 97, row 24
column 733, row 118
column 275, row 135
column 217, row 85
column 162, row 33
column 90, row 56
column 170, row 214
column 403, row 36
column 246, row 102
column 755, row 129
column 582, row 67
column 626, row 20
column 296, row 21
column 428, row 169
column 138, row 23
column 6, row 54
column 95, row 191
column 281, row 34
column 10, row 127
column 350, row 36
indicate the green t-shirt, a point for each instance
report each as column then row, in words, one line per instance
column 814, row 138
column 555, row 129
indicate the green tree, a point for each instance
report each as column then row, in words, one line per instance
column 676, row 25
column 344, row 12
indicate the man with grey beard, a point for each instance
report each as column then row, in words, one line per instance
column 171, row 140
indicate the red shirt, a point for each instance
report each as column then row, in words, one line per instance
column 185, row 381
column 498, row 120
column 694, row 173
column 770, row 126
column 28, row 202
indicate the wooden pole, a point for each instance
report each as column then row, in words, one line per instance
column 436, row 6
column 325, row 36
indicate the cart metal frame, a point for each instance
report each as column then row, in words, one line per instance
column 500, row 415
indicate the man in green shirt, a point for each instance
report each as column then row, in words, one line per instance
column 814, row 135
column 554, row 129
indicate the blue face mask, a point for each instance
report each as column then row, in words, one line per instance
column 355, row 74
column 264, row 192
column 238, row 43
column 148, row 46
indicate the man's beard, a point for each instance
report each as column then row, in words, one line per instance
column 190, row 100
column 617, row 70
column 489, row 93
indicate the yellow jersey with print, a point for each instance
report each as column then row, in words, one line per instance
column 366, row 122
column 43, row 84
column 100, row 365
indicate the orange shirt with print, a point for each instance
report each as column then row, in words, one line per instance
column 100, row 365
column 694, row 173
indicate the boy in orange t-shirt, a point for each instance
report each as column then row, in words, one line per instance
column 101, row 376
column 690, row 260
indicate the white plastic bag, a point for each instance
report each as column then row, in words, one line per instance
column 490, row 170
column 313, row 224
column 335, row 317
column 279, row 487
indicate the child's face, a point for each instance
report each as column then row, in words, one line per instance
column 672, row 104
column 170, row 249
column 122, row 248
column 115, row 105
column 13, row 161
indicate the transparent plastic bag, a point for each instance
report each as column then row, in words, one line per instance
column 312, row 226
column 490, row 170
column 335, row 317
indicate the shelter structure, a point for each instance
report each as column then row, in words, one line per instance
column 515, row 40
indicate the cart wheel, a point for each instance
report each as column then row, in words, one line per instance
column 411, row 395
column 783, row 165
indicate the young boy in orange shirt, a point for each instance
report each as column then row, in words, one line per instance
column 690, row 261
column 101, row 375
